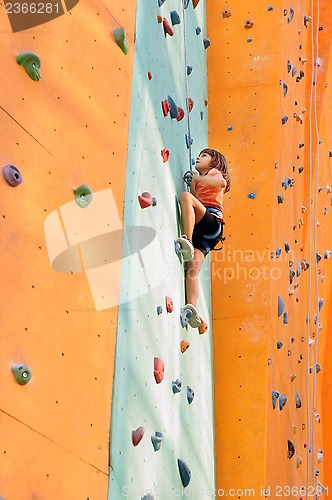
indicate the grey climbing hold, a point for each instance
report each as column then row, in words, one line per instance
column 320, row 303
column 291, row 15
column 291, row 449
column 279, row 344
column 282, row 401
column 318, row 257
column 327, row 254
column 252, row 196
column 12, row 175
column 284, row 119
column 294, row 70
column 287, row 247
column 185, row 472
column 175, row 18
column 286, row 318
column 161, row 2
column 201, row 115
column 285, row 88
column 189, row 140
column 159, row 310
column 176, row 386
column 157, row 440
column 22, row 373
column 292, row 274
column 281, row 306
column 148, row 496
column 298, row 401
column 189, row 70
column 287, row 182
column 187, row 177
column 270, row 7
column 198, row 30
column 298, row 268
column 173, row 107
column 190, row 394
column 83, row 195
column 318, row 368
column 289, row 66
column 278, row 252
column 275, row 396
column 280, row 199
column 206, row 43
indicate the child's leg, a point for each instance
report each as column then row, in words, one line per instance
column 192, row 271
column 192, row 211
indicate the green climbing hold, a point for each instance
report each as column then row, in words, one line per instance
column 31, row 63
column 120, row 38
column 83, row 195
column 22, row 373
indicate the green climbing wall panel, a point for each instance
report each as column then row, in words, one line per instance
column 153, row 271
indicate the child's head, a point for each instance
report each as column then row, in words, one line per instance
column 219, row 162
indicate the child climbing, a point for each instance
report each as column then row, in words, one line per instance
column 202, row 221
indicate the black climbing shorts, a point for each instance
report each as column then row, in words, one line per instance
column 208, row 232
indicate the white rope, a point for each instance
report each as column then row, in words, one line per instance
column 186, row 81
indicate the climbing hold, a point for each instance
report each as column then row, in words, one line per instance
column 291, row 15
column 148, row 496
column 149, row 75
column 159, row 19
column 165, row 154
column 306, row 21
column 249, row 40
column 320, row 456
column 320, row 304
column 280, row 306
column 137, row 435
column 229, row 128
column 167, row 29
column 160, row 2
column 185, row 473
column 205, row 102
column 286, row 318
column 175, row 18
column 294, row 70
column 159, row 310
column 293, row 377
column 291, row 276
column 284, row 119
column 173, row 107
column 318, row 257
column 190, row 104
column 31, row 63
column 189, row 140
column 318, row 368
column 327, row 254
column 226, row 13
column 187, row 177
column 195, row 3
column 251, row 196
column 198, row 30
column 270, row 7
column 301, row 169
column 298, row 401
column 169, row 305
column 280, row 199
column 120, row 38
column 201, row 115
column 291, row 449
column 83, row 195
column 176, row 386
column 165, row 107
column 12, row 175
column 282, row 401
column 248, row 24
column 190, row 394
column 180, row 114
column 285, row 88
column 146, row 200
column 189, row 70
column 278, row 252
column 206, row 43
column 184, row 345
column 298, row 461
column 186, row 3
column 279, row 344
column 275, row 395
column 22, row 373
column 287, row 247
column 287, row 182
column 159, row 370
column 157, row 440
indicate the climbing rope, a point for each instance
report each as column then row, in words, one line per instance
column 186, row 80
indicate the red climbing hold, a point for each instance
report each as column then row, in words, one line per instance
column 146, row 200
column 169, row 305
column 167, row 29
column 166, row 107
column 159, row 369
column 165, row 153
column 180, row 114
column 137, row 435
column 149, row 75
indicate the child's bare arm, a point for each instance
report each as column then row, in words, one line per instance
column 216, row 180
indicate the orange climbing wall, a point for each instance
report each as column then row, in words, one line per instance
column 67, row 129
column 247, row 69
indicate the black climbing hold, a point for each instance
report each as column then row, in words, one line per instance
column 189, row 70
column 285, row 318
column 190, row 394
column 284, row 119
column 281, row 306
column 160, row 2
column 176, row 386
column 275, row 395
column 320, row 303
column 280, row 199
column 318, row 257
column 185, row 473
column 187, row 177
column 206, row 43
column 279, row 344
column 12, row 175
column 175, row 18
column 298, row 401
column 22, row 373
column 291, row 449
column 282, row 401
column 318, row 368
column 287, row 247
column 291, row 275
column 157, row 440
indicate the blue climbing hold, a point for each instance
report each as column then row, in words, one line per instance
column 198, row 30
column 252, row 196
column 278, row 252
column 206, row 43
column 230, row 127
column 189, row 141
column 284, row 119
column 189, row 70
column 185, row 472
column 190, row 394
column 279, row 344
column 270, row 7
column 282, row 401
column 176, row 386
column 157, row 440
column 286, row 318
column 175, row 18
column 159, row 310
column 249, row 40
column 202, row 115
column 186, row 3
column 320, row 304
column 294, row 70
column 173, row 107
column 281, row 306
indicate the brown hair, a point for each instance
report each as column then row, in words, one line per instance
column 220, row 163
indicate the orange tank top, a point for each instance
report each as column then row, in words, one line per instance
column 208, row 195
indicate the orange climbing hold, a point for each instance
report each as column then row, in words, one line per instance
column 136, row 435
column 184, row 345
column 195, row 3
column 203, row 327
column 248, row 24
column 180, row 114
column 165, row 154
column 226, row 13
column 159, row 370
column 190, row 104
column 169, row 305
